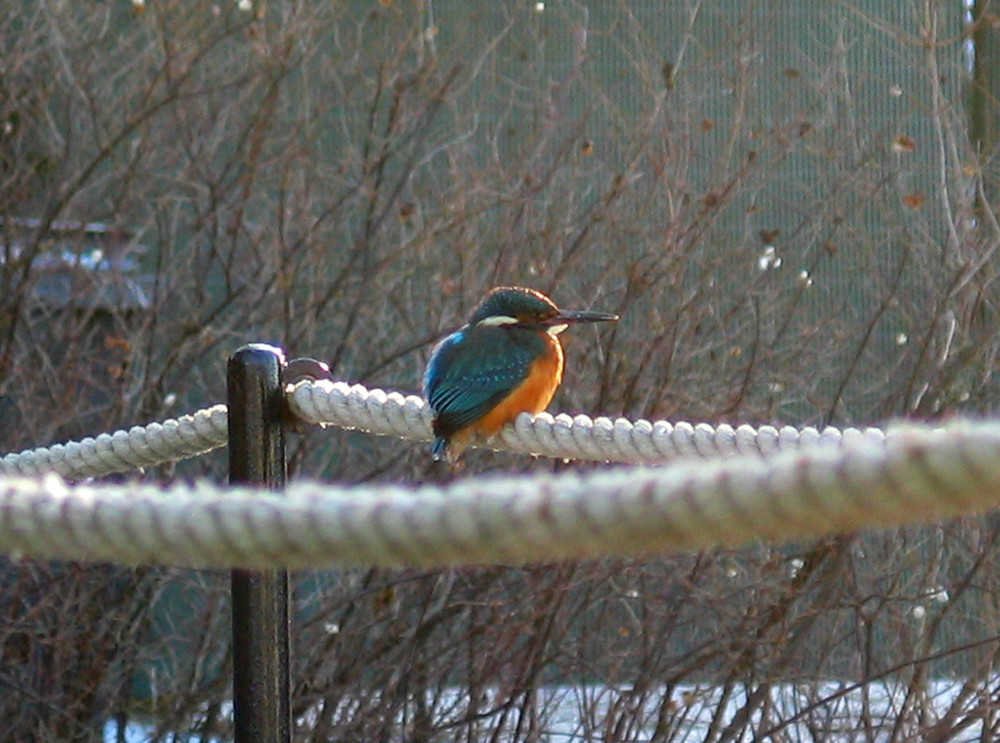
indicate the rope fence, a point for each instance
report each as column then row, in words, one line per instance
column 121, row 451
column 384, row 413
column 918, row 474
column 723, row 486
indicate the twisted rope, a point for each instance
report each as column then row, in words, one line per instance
column 139, row 446
column 561, row 436
column 919, row 474
column 393, row 414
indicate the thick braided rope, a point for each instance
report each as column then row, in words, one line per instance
column 921, row 474
column 393, row 414
column 139, row 446
column 562, row 436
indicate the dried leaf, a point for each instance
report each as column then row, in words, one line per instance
column 902, row 143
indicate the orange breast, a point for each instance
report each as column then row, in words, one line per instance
column 533, row 395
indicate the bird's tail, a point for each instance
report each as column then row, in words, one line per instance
column 440, row 450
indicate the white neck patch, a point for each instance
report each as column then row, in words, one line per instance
column 498, row 320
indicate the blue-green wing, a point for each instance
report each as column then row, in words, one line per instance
column 470, row 372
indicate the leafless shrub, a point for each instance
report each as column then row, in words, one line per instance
column 783, row 205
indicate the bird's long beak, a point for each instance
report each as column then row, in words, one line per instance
column 568, row 317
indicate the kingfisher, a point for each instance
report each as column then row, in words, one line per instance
column 505, row 361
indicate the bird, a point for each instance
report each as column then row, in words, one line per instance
column 505, row 361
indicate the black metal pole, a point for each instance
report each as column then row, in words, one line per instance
column 261, row 680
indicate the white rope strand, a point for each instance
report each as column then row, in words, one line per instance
column 139, row 446
column 407, row 416
column 562, row 436
column 920, row 474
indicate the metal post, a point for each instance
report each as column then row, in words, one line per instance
column 261, row 681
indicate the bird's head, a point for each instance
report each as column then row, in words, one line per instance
column 529, row 309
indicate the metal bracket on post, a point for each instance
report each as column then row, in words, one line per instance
column 260, row 606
